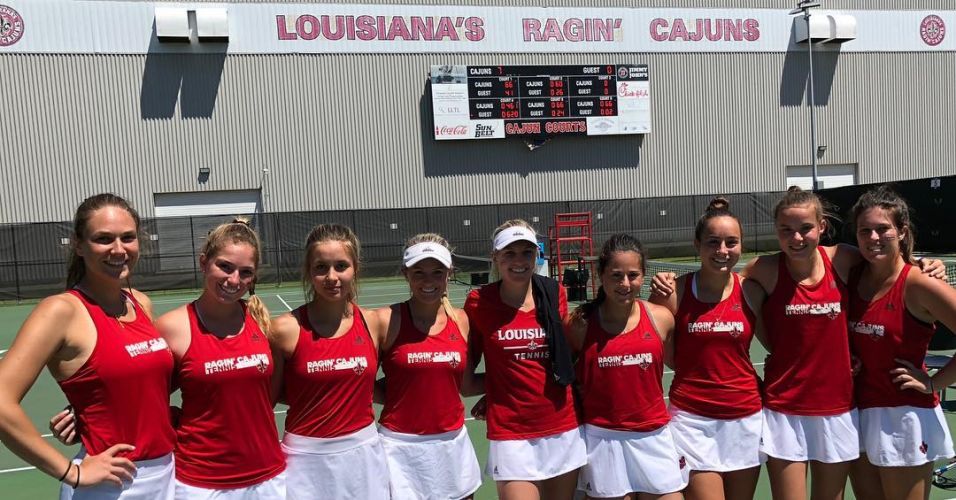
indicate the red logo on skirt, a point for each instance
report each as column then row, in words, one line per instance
column 923, row 447
column 683, row 462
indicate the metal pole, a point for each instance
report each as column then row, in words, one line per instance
column 192, row 245
column 813, row 121
column 16, row 263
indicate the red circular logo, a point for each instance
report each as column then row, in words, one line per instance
column 932, row 30
column 11, row 26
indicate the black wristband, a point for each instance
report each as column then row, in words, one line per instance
column 77, row 483
column 69, row 466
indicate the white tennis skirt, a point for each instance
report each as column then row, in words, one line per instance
column 797, row 438
column 536, row 459
column 347, row 467
column 153, row 480
column 431, row 467
column 904, row 436
column 621, row 462
column 713, row 444
column 273, row 489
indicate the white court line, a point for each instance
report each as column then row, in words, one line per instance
column 286, row 304
column 18, row 469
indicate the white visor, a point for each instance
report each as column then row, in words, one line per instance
column 513, row 234
column 427, row 250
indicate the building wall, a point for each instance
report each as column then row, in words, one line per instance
column 354, row 131
column 756, row 4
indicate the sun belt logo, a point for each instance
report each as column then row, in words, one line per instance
column 932, row 30
column 11, row 26
column 873, row 331
column 484, row 131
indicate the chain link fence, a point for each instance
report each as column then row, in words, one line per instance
column 33, row 256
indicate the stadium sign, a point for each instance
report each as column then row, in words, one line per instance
column 68, row 26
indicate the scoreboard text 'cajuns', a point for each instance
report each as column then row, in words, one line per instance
column 493, row 102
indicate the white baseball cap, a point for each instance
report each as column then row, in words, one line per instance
column 426, row 250
column 512, row 234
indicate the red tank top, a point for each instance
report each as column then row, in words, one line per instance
column 808, row 370
column 524, row 401
column 620, row 377
column 329, row 381
column 121, row 393
column 227, row 434
column 423, row 376
column 882, row 330
column 713, row 375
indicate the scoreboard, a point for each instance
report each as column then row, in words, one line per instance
column 493, row 102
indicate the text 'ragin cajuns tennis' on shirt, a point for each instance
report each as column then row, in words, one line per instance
column 875, row 331
column 734, row 328
column 358, row 364
column 451, row 357
column 146, row 347
column 643, row 359
column 831, row 309
column 258, row 361
column 535, row 348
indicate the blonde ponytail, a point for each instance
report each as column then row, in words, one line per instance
column 260, row 313
column 450, row 311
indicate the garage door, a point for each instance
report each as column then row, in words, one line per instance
column 207, row 203
column 828, row 176
column 184, row 219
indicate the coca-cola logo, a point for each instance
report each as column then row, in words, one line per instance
column 932, row 30
column 452, row 130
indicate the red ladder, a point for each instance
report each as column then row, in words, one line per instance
column 571, row 239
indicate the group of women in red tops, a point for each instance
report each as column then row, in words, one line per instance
column 574, row 401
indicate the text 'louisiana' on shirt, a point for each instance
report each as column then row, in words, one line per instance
column 521, row 334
